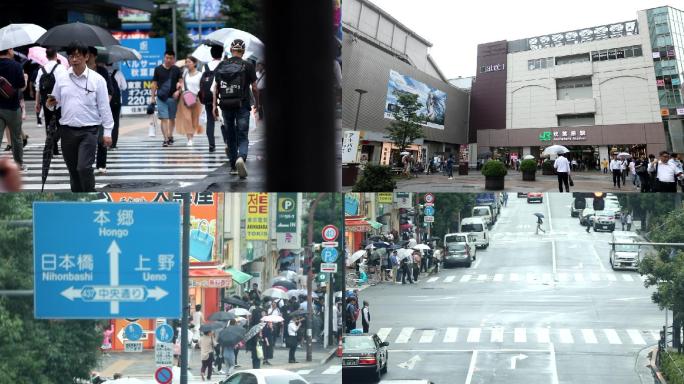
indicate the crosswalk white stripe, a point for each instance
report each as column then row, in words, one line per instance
column 612, row 336
column 432, row 279
column 546, row 277
column 589, row 336
column 481, row 277
column 563, row 277
column 404, row 335
column 520, row 335
column 655, row 334
column 636, row 336
column 449, row 279
column 427, row 336
column 611, row 277
column 474, row 335
column 465, row 278
column 498, row 277
column 333, row 370
column 531, row 277
column 451, row 335
column 497, row 335
column 543, row 335
column 579, row 277
column 566, row 336
column 627, row 277
column 595, row 277
column 101, row 179
column 383, row 333
column 515, row 277
column 305, row 371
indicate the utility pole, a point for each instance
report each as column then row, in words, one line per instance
column 184, row 289
column 309, row 278
column 199, row 19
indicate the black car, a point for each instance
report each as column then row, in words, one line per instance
column 364, row 354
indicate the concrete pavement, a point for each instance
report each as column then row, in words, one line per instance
column 532, row 309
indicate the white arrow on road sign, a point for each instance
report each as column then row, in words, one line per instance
column 156, row 293
column 516, row 358
column 127, row 293
column 410, row 363
column 114, row 251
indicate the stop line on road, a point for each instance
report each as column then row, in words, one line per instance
column 518, row 335
column 533, row 277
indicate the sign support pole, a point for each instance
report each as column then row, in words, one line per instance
column 185, row 283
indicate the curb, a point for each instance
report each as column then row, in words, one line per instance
column 657, row 374
column 330, row 355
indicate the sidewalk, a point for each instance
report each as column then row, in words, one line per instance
column 141, row 365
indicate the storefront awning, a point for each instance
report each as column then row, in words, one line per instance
column 239, row 276
column 210, row 278
column 374, row 224
column 356, row 224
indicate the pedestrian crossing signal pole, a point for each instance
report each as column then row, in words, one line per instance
column 309, row 278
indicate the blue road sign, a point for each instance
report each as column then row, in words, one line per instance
column 329, row 255
column 164, row 333
column 106, row 260
column 133, row 331
column 429, row 211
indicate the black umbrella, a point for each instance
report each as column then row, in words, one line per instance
column 212, row 326
column 382, row 244
column 540, row 215
column 231, row 335
column 222, row 316
column 90, row 35
column 298, row 313
column 285, row 284
column 50, row 133
column 237, row 302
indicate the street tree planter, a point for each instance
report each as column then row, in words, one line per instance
column 494, row 172
column 547, row 168
column 529, row 169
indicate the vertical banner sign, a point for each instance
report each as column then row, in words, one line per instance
column 293, row 238
column 204, row 247
column 138, row 73
column 286, row 215
column 350, row 146
column 256, row 222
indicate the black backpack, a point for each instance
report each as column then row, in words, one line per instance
column 47, row 82
column 205, row 94
column 231, row 78
column 116, row 91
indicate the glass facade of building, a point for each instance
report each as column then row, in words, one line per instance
column 666, row 29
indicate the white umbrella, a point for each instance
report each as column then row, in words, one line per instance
column 555, row 149
column 203, row 53
column 16, row 35
column 528, row 157
column 421, row 247
column 275, row 293
column 272, row 319
column 411, row 243
column 404, row 153
column 355, row 256
column 290, row 275
column 253, row 46
column 624, row 154
column 300, row 292
column 239, row 312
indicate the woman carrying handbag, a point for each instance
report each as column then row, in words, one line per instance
column 189, row 108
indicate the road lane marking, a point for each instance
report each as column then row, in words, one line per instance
column 482, row 277
column 477, row 263
column 553, row 255
column 553, row 367
column 471, row 368
column 611, row 277
column 498, row 277
column 579, row 277
column 304, row 371
column 548, row 211
column 636, row 336
column 383, row 333
column 451, row 335
column 333, row 370
column 566, row 336
column 474, row 335
column 404, row 335
column 515, row 277
column 627, row 277
column 589, row 336
column 612, row 336
column 543, row 335
column 449, row 279
column 598, row 258
column 497, row 335
column 432, row 279
column 465, row 278
column 427, row 336
column 410, row 363
column 519, row 335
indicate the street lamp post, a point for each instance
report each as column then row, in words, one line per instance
column 358, row 108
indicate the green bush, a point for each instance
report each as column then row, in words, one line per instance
column 673, row 369
column 528, row 165
column 494, row 168
column 547, row 165
column 375, row 178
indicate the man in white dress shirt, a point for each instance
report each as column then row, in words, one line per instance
column 56, row 69
column 666, row 173
column 562, row 166
column 616, row 169
column 82, row 96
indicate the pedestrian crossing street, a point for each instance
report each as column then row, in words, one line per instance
column 501, row 335
column 330, row 370
column 135, row 160
column 531, row 277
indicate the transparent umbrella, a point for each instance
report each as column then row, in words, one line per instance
column 555, row 149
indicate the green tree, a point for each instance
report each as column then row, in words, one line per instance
column 244, row 15
column 36, row 351
column 328, row 211
column 162, row 26
column 406, row 128
column 449, row 208
column 648, row 207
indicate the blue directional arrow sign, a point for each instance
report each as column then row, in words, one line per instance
column 329, row 255
column 429, row 211
column 133, row 331
column 107, row 260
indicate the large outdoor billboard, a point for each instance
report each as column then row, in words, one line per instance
column 433, row 100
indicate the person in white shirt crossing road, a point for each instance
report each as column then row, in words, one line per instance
column 562, row 166
column 81, row 94
column 616, row 168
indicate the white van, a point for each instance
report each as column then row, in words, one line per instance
column 485, row 212
column 478, row 227
column 624, row 255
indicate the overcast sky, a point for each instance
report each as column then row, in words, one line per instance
column 455, row 28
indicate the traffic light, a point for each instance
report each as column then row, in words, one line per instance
column 599, row 203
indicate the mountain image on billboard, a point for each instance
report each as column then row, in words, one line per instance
column 433, row 100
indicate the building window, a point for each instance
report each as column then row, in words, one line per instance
column 543, row 63
column 571, row 59
column 575, row 120
column 574, row 88
column 616, row 53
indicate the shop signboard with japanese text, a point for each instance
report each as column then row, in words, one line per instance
column 432, row 100
column 256, row 220
column 204, row 244
column 138, row 73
